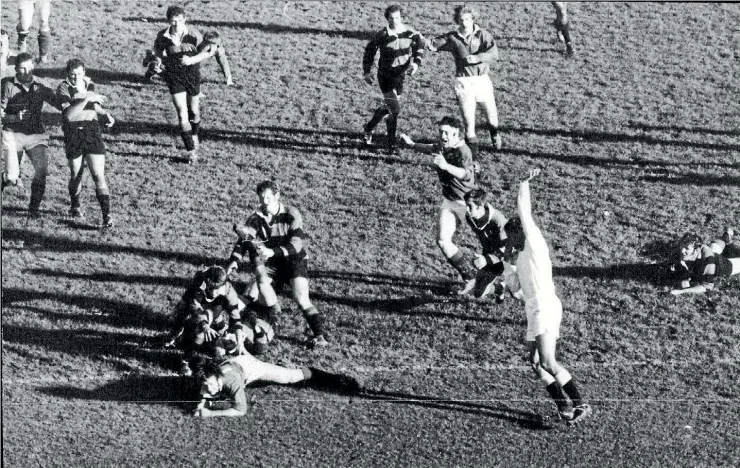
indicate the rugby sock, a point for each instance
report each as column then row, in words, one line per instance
column 378, row 115
column 22, row 40
column 187, row 138
column 38, row 188
column 458, row 262
column 556, row 393
column 391, row 124
column 307, row 374
column 273, row 312
column 44, row 42
column 104, row 200
column 493, row 131
column 472, row 142
column 315, row 321
column 573, row 393
column 195, row 128
column 565, row 29
column 74, row 194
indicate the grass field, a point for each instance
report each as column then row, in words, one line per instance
column 638, row 139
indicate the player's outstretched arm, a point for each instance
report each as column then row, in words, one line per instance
column 423, row 147
column 524, row 203
column 223, row 63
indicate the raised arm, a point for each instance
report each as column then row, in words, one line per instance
column 524, row 205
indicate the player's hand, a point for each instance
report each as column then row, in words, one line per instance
column 241, row 350
column 202, row 412
column 407, row 140
column 472, row 59
column 413, row 68
column 479, row 261
column 95, row 97
column 210, row 333
column 187, row 60
column 368, row 78
column 111, row 121
column 532, row 174
column 440, row 161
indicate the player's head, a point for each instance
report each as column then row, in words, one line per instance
column 208, row 374
column 215, row 278
column 176, row 17
column 515, row 234
column 212, row 37
column 449, row 131
column 24, row 67
column 394, row 15
column 688, row 246
column 465, row 16
column 75, row 69
column 269, row 195
column 475, row 201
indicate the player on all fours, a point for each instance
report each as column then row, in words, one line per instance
column 225, row 384
column 473, row 49
column 23, row 98
column 25, row 19
column 455, row 169
column 401, row 50
column 488, row 225
column 701, row 265
column 272, row 240
column 562, row 26
column 543, row 308
column 181, row 49
column 83, row 114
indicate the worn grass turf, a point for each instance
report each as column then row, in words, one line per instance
column 637, row 137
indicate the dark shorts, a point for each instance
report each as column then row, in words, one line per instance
column 183, row 79
column 81, row 138
column 282, row 270
column 485, row 276
column 389, row 83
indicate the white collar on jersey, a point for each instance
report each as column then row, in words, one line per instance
column 476, row 28
column 176, row 39
column 396, row 32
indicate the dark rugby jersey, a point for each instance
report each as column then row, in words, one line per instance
column 397, row 51
column 454, row 189
column 234, row 385
column 171, row 52
column 479, row 43
column 31, row 98
column 490, row 232
column 700, row 268
column 283, row 234
column 67, row 94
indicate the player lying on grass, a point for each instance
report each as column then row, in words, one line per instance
column 701, row 265
column 401, row 50
column 208, row 319
column 272, row 241
column 224, row 384
column 543, row 308
column 453, row 162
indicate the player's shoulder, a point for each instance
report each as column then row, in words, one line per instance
column 292, row 211
column 7, row 81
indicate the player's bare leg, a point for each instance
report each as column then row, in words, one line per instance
column 44, row 38
column 12, row 171
column 194, row 118
column 467, row 107
column 315, row 320
column 446, row 226
column 393, row 105
column 40, row 162
column 76, row 172
column 25, row 19
column 180, row 100
column 96, row 163
column 562, row 26
column 492, row 117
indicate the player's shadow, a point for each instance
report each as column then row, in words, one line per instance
column 98, row 76
column 269, row 27
column 111, row 277
column 706, row 180
column 651, row 273
column 525, row 419
column 438, row 285
column 675, row 129
column 141, row 389
column 48, row 242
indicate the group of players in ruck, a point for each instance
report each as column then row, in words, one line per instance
column 221, row 331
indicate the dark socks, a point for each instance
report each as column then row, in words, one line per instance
column 195, row 128
column 104, row 200
column 187, row 138
column 44, row 43
column 556, row 393
column 378, row 115
column 573, row 393
column 565, row 29
column 38, row 188
column 458, row 262
column 315, row 321
column 472, row 143
column 391, row 125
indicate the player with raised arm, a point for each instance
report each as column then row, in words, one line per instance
column 181, row 49
column 701, row 265
column 543, row 308
column 23, row 98
column 562, row 26
column 473, row 49
column 272, row 241
column 401, row 51
column 82, row 111
column 455, row 169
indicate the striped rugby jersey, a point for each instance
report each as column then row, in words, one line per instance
column 283, row 233
column 490, row 232
column 397, row 51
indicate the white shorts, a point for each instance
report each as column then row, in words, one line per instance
column 16, row 142
column 457, row 208
column 544, row 317
column 474, row 89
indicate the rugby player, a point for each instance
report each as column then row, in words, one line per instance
column 227, row 382
column 211, row 41
column 701, row 265
column 401, row 51
column 272, row 240
column 488, row 225
column 25, row 18
column 82, row 111
column 543, row 308
column 473, row 49
column 562, row 26
column 181, row 49
column 22, row 100
column 455, row 169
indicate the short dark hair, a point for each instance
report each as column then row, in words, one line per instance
column 460, row 10
column 23, row 57
column 215, row 277
column 267, row 185
column 689, row 239
column 73, row 64
column 453, row 122
column 392, row 9
column 212, row 37
column 477, row 196
column 204, row 368
column 175, row 10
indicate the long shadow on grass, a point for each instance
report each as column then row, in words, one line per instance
column 37, row 241
column 98, row 75
column 694, row 179
column 93, row 344
column 654, row 274
column 676, row 129
column 440, row 285
column 526, row 419
column 270, row 28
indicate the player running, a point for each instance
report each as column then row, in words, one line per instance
column 543, row 308
column 273, row 241
column 401, row 51
column 455, row 169
column 82, row 109
column 701, row 265
column 23, row 98
column 562, row 26
column 473, row 49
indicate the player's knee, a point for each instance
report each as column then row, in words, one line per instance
column 549, row 364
